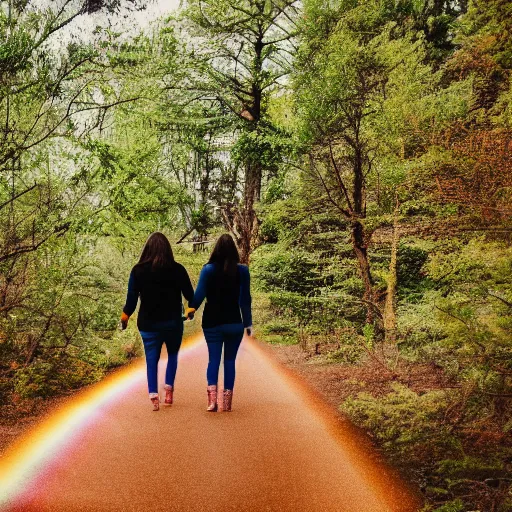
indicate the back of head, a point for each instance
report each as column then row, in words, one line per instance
column 225, row 255
column 157, row 252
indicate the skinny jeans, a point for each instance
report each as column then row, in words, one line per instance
column 153, row 341
column 228, row 336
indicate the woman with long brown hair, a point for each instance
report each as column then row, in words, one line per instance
column 226, row 286
column 159, row 281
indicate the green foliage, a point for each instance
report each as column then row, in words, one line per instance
column 281, row 216
column 266, row 147
column 463, row 309
column 289, row 270
column 201, row 220
column 182, row 127
column 47, row 378
column 280, row 330
column 404, row 422
column 491, row 19
column 369, row 336
column 412, row 281
column 349, row 351
column 453, row 506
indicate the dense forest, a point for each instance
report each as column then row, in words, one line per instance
column 359, row 152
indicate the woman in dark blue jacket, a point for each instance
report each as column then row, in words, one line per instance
column 159, row 281
column 226, row 286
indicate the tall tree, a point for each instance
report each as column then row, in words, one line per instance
column 187, row 132
column 356, row 81
column 242, row 52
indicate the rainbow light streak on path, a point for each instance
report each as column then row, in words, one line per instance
column 26, row 458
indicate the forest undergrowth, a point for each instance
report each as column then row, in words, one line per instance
column 437, row 401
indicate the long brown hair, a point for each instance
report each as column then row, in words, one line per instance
column 225, row 255
column 157, row 251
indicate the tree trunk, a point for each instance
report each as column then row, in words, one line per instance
column 248, row 222
column 360, row 250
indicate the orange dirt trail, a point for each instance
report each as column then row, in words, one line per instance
column 281, row 449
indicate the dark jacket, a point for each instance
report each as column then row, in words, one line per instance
column 228, row 299
column 160, row 294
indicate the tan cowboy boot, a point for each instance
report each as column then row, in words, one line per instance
column 228, row 397
column 212, row 398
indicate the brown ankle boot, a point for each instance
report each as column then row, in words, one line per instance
column 212, row 398
column 168, row 394
column 228, row 397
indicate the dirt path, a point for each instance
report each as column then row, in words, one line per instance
column 279, row 450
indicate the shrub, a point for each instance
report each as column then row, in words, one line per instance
column 285, row 269
column 279, row 330
column 452, row 506
column 350, row 348
column 44, row 378
column 403, row 421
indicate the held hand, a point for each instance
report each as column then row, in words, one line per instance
column 248, row 330
column 189, row 313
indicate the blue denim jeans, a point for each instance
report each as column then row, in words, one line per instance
column 227, row 335
column 153, row 341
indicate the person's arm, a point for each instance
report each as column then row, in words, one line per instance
column 132, row 296
column 245, row 298
column 200, row 293
column 187, row 291
column 186, row 285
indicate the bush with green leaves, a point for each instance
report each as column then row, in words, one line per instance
column 287, row 269
column 54, row 375
column 350, row 347
column 405, row 422
column 414, row 428
column 281, row 330
column 464, row 318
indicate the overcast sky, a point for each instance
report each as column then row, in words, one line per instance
column 155, row 9
column 83, row 26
